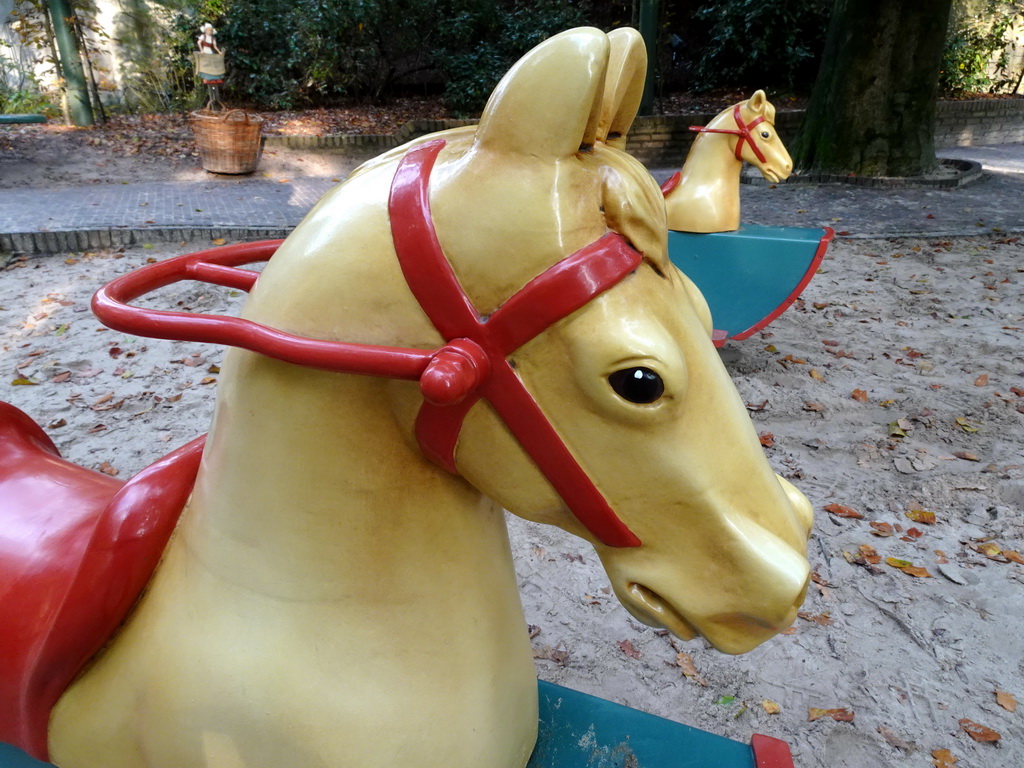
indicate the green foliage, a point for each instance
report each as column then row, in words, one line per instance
column 479, row 45
column 19, row 89
column 975, row 59
column 284, row 54
column 762, row 43
column 18, row 101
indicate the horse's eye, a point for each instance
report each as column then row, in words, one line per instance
column 765, row 134
column 637, row 385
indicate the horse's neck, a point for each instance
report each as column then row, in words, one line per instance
column 712, row 164
column 707, row 198
column 323, row 575
column 310, row 489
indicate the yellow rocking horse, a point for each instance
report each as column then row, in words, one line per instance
column 484, row 318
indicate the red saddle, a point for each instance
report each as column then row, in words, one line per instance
column 76, row 550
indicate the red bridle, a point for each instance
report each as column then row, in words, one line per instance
column 742, row 130
column 472, row 364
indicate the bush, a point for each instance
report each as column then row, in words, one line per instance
column 478, row 46
column 283, row 55
column 19, row 90
column 975, row 59
column 763, row 43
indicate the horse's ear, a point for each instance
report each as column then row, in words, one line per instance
column 548, row 104
column 756, row 102
column 624, row 86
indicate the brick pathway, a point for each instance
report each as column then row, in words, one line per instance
column 70, row 219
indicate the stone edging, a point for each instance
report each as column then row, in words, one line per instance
column 967, row 172
column 78, row 240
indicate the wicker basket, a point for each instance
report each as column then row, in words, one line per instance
column 229, row 142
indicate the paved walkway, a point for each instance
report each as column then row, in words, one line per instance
column 54, row 220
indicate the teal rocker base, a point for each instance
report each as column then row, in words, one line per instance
column 751, row 276
column 582, row 731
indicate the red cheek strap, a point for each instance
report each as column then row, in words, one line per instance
column 474, row 364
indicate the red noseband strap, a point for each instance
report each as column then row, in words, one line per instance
column 742, row 130
column 473, row 363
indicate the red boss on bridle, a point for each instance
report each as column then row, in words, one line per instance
column 472, row 364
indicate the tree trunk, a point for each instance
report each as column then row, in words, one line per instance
column 71, row 63
column 872, row 112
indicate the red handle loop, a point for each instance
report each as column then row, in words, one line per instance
column 220, row 267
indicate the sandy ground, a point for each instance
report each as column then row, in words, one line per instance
column 894, row 387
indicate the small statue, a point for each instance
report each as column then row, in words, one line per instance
column 209, row 61
column 208, row 40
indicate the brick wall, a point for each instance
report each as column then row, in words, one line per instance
column 665, row 140
column 986, row 121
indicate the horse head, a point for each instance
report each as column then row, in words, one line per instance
column 704, row 537
column 758, row 143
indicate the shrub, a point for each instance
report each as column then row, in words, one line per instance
column 478, row 46
column 975, row 59
column 763, row 43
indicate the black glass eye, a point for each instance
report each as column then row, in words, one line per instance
column 765, row 134
column 637, row 385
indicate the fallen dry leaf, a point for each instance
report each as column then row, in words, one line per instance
column 839, row 715
column 689, row 670
column 767, row 439
column 981, row 381
column 822, row 618
column 1016, row 557
column 840, row 511
column 60, row 378
column 859, row 395
column 943, row 758
column 917, row 571
column 922, row 516
column 979, row 732
column 869, row 554
column 770, row 707
column 557, row 655
column 989, row 549
column 108, row 469
column 816, row 374
column 629, row 649
column 1006, row 701
column 894, row 740
column 881, row 529
column 966, row 455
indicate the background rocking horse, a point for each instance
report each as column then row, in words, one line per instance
column 749, row 275
column 705, row 195
column 485, row 318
